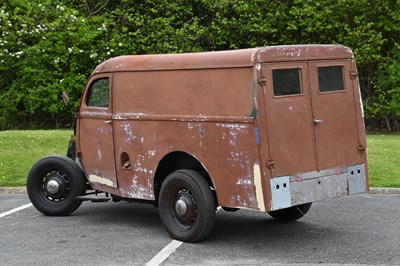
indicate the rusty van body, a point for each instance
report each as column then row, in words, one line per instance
column 270, row 129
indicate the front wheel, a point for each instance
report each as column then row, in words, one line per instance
column 187, row 206
column 291, row 214
column 54, row 183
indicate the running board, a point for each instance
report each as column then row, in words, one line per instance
column 93, row 198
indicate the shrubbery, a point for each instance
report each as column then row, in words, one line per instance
column 50, row 46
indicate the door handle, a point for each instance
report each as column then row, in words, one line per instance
column 318, row 121
column 108, row 122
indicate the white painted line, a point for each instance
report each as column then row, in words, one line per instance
column 15, row 210
column 164, row 253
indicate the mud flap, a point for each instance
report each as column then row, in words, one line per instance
column 356, row 179
column 281, row 195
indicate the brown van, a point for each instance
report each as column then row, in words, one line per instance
column 270, row 129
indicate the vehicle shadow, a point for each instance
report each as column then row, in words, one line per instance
column 259, row 229
column 121, row 214
column 244, row 226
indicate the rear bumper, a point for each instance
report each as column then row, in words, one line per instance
column 302, row 188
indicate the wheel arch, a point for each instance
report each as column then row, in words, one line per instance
column 178, row 160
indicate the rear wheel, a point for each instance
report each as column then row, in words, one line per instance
column 291, row 214
column 54, row 183
column 187, row 206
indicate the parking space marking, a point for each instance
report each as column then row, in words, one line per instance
column 164, row 253
column 15, row 210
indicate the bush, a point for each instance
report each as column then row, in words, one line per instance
column 50, row 46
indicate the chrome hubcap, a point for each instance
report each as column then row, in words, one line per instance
column 52, row 187
column 185, row 208
column 180, row 207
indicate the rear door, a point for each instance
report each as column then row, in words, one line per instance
column 334, row 114
column 290, row 129
column 311, row 116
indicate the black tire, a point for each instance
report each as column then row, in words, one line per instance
column 54, row 183
column 187, row 206
column 291, row 214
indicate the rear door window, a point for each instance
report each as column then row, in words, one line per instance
column 286, row 81
column 331, row 78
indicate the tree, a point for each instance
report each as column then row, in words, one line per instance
column 47, row 46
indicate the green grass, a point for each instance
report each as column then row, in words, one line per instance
column 384, row 160
column 19, row 150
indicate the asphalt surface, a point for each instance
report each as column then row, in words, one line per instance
column 357, row 230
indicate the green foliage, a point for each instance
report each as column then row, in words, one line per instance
column 46, row 49
column 385, row 103
column 47, row 46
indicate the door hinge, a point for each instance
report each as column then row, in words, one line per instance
column 270, row 163
column 361, row 148
column 353, row 73
column 262, row 80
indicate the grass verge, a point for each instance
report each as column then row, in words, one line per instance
column 19, row 150
column 384, row 160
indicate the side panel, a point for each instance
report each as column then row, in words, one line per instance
column 205, row 113
column 210, row 93
column 226, row 150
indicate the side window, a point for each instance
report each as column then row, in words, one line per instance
column 330, row 78
column 98, row 94
column 286, row 81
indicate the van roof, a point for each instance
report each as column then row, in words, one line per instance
column 224, row 59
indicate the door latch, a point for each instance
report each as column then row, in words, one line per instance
column 108, row 122
column 317, row 121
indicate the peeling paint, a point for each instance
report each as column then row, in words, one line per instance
column 235, row 126
column 151, row 152
column 234, row 131
column 244, row 182
column 139, row 191
column 101, row 180
column 259, row 189
column 239, row 158
column 118, row 117
column 128, row 131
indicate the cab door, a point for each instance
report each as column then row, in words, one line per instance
column 334, row 114
column 95, row 133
